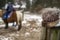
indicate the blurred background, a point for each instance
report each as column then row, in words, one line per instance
column 33, row 4
column 31, row 25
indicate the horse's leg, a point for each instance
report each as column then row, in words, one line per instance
column 20, row 25
column 13, row 24
column 6, row 25
column 19, row 20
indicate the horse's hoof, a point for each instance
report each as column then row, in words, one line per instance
column 19, row 27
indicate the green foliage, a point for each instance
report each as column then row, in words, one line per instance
column 10, row 1
column 3, row 2
column 28, row 4
column 55, row 34
column 47, row 3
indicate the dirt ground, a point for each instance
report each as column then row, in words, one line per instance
column 31, row 30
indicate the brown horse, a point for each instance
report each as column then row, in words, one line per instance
column 15, row 17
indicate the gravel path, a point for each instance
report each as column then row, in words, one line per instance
column 31, row 30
